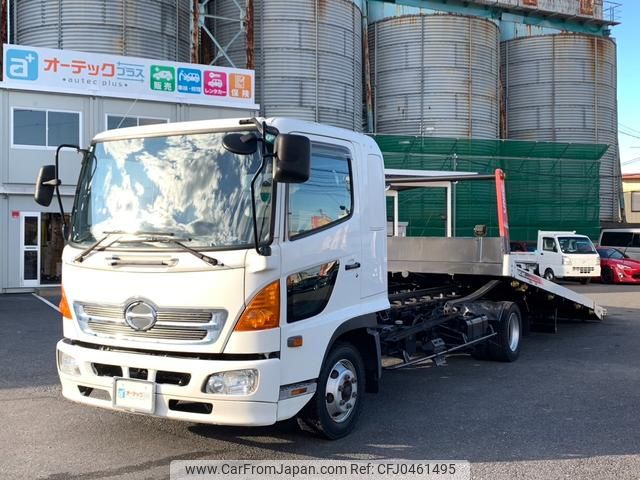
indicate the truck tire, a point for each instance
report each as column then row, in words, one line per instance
column 334, row 410
column 549, row 275
column 505, row 347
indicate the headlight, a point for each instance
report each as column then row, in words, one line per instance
column 68, row 365
column 235, row 382
column 624, row 267
column 566, row 261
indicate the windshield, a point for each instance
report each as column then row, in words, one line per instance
column 612, row 253
column 187, row 186
column 576, row 245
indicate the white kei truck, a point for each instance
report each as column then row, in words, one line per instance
column 562, row 255
column 238, row 272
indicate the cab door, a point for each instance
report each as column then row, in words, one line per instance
column 321, row 257
column 549, row 257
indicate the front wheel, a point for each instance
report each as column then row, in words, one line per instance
column 549, row 275
column 585, row 281
column 334, row 410
column 607, row 275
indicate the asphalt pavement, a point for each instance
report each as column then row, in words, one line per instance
column 568, row 408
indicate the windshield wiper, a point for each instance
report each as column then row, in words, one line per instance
column 80, row 258
column 167, row 237
column 154, row 237
column 205, row 258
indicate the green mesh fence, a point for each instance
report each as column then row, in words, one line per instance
column 550, row 186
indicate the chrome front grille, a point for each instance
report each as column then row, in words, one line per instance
column 164, row 315
column 173, row 325
column 584, row 270
column 157, row 332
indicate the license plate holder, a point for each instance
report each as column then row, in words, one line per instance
column 134, row 395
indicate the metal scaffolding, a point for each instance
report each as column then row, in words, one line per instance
column 242, row 20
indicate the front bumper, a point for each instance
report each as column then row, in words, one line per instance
column 626, row 276
column 94, row 385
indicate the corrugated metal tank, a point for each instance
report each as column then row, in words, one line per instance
column 142, row 28
column 435, row 75
column 563, row 88
column 308, row 57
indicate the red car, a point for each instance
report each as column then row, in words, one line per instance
column 617, row 267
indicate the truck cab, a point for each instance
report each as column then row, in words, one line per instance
column 567, row 255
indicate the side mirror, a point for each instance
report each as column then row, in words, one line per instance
column 292, row 159
column 240, row 144
column 45, row 185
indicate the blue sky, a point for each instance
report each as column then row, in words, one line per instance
column 627, row 36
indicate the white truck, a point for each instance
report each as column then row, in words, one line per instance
column 562, row 255
column 238, row 272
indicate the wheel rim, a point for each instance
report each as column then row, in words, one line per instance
column 514, row 332
column 548, row 275
column 342, row 391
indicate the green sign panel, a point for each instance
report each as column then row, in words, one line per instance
column 163, row 78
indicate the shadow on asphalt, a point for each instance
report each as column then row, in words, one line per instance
column 30, row 331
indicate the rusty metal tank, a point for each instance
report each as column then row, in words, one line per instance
column 435, row 74
column 307, row 56
column 562, row 88
column 144, row 28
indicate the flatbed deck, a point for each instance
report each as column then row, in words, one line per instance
column 482, row 256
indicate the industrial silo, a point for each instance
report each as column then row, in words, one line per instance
column 307, row 55
column 562, row 88
column 435, row 75
column 143, row 28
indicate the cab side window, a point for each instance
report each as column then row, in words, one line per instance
column 326, row 198
column 549, row 244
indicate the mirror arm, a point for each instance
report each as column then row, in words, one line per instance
column 58, row 182
column 262, row 251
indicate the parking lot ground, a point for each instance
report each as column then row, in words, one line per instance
column 568, row 408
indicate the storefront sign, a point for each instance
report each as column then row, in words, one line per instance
column 68, row 71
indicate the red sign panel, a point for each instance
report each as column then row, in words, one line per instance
column 503, row 218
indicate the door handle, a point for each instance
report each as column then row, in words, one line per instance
column 352, row 266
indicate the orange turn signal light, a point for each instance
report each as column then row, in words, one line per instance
column 295, row 342
column 263, row 311
column 64, row 306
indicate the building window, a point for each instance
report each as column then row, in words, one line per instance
column 635, row 201
column 326, row 198
column 45, row 128
column 119, row 121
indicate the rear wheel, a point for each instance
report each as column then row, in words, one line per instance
column 549, row 275
column 334, row 410
column 505, row 347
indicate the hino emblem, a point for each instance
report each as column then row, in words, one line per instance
column 140, row 316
